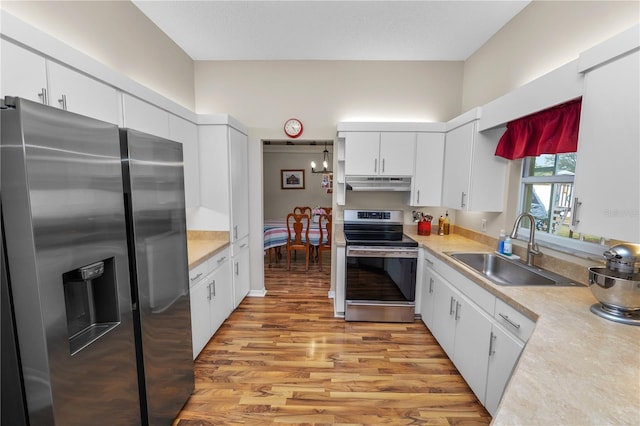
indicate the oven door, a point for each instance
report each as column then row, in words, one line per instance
column 380, row 284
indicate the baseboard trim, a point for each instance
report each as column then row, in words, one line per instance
column 257, row 293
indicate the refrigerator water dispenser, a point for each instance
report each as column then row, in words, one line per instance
column 91, row 302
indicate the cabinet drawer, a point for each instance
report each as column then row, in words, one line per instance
column 197, row 273
column 238, row 246
column 218, row 259
column 513, row 320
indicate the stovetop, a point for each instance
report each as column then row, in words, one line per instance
column 376, row 228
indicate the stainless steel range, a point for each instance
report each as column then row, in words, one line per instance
column 381, row 267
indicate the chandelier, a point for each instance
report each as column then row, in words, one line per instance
column 325, row 162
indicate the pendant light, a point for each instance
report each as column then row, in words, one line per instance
column 325, row 162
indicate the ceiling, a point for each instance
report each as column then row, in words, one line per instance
column 424, row 30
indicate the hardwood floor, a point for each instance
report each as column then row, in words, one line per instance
column 284, row 359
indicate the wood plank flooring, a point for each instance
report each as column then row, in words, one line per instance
column 284, row 359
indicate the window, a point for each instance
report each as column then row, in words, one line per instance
column 547, row 193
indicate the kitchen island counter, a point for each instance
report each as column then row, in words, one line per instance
column 201, row 245
column 576, row 368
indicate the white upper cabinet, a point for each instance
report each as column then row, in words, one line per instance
column 474, row 178
column 84, row 95
column 379, row 153
column 607, row 172
column 144, row 117
column 185, row 132
column 426, row 185
column 24, row 74
column 31, row 76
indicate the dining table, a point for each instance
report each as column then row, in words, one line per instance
column 275, row 236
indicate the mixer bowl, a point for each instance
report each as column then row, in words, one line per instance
column 620, row 291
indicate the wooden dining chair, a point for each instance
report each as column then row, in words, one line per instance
column 298, row 236
column 327, row 210
column 324, row 223
column 302, row 210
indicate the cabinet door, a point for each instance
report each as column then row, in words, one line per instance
column 24, row 74
column 362, row 153
column 213, row 149
column 185, row 132
column 397, row 153
column 241, row 276
column 457, row 166
column 142, row 116
column 239, row 168
column 426, row 185
column 607, row 172
column 444, row 324
column 471, row 349
column 84, row 95
column 503, row 356
column 428, row 294
column 200, row 311
column 221, row 299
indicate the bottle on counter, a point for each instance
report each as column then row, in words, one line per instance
column 508, row 247
column 441, row 225
column 446, row 224
column 501, row 239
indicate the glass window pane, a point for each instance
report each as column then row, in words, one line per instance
column 543, row 165
column 566, row 164
column 550, row 204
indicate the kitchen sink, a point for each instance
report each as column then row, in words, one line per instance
column 511, row 272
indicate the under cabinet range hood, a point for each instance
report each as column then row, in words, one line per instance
column 382, row 184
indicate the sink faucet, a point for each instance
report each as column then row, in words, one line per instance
column 532, row 247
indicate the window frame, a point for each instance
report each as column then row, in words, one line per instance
column 575, row 247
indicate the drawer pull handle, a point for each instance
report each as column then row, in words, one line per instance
column 451, row 306
column 506, row 318
column 430, row 285
column 222, row 259
column 196, row 277
column 243, row 245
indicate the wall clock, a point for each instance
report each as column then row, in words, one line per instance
column 293, row 127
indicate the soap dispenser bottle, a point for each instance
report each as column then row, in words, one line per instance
column 508, row 247
column 501, row 239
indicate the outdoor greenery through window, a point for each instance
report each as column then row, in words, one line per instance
column 547, row 193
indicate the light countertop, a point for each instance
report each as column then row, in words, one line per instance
column 201, row 245
column 576, row 368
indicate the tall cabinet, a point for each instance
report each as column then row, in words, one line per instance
column 224, row 189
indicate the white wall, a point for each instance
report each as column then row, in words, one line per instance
column 117, row 34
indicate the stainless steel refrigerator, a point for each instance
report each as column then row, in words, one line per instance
column 95, row 235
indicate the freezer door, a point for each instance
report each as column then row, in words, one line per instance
column 154, row 175
column 64, row 211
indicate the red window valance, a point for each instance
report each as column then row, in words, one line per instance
column 552, row 131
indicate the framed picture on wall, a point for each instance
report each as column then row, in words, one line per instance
column 292, row 179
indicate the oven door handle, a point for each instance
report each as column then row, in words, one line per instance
column 382, row 252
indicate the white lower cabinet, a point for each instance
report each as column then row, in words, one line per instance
column 504, row 351
column 241, row 271
column 482, row 335
column 211, row 299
